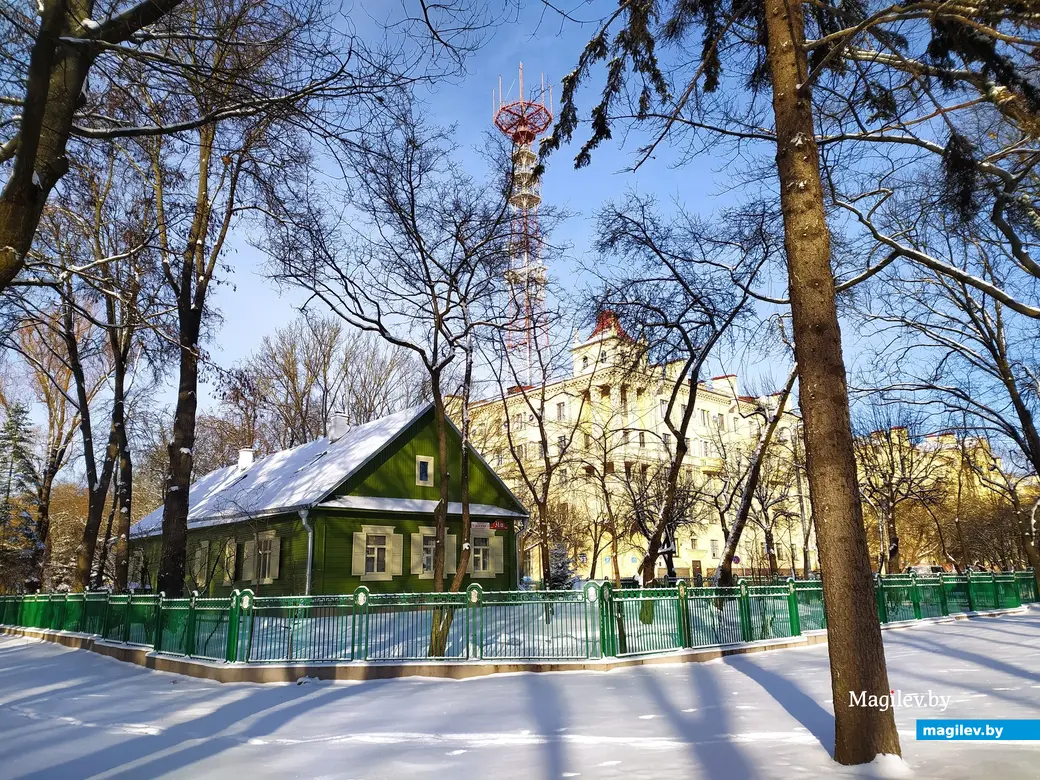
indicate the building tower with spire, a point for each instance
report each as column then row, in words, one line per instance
column 523, row 120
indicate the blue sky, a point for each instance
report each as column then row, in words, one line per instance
column 252, row 306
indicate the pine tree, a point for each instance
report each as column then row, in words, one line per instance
column 561, row 569
column 18, row 482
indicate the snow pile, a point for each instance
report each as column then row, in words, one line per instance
column 886, row 766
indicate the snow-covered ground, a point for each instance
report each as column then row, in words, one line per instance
column 73, row 714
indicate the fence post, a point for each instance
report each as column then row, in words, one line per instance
column 944, row 605
column 231, row 648
column 104, row 615
column 996, row 591
column 359, row 625
column 606, row 622
column 474, row 612
column 915, row 595
column 189, row 626
column 684, row 615
column 593, row 612
column 971, row 595
column 247, row 603
column 792, row 606
column 882, row 603
column 744, row 609
column 157, row 630
column 126, row 620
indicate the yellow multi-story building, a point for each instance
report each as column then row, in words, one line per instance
column 587, row 452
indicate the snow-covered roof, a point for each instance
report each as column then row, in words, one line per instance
column 284, row 481
column 425, row 506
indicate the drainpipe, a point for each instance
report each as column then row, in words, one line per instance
column 310, row 549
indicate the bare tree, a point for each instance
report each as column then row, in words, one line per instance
column 895, row 469
column 964, row 356
column 419, row 262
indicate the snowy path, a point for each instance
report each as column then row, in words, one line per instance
column 73, row 714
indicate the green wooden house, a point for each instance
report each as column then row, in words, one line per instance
column 354, row 508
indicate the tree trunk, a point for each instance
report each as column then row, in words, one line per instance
column 724, row 572
column 53, row 85
column 180, row 450
column 895, row 558
column 774, row 568
column 857, row 656
column 124, row 495
column 99, row 574
column 543, row 538
column 42, row 554
column 97, row 480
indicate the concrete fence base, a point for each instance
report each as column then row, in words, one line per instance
column 455, row 670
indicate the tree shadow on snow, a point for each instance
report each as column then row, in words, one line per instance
column 549, row 711
column 708, row 733
column 202, row 738
column 799, row 705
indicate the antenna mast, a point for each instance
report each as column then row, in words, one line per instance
column 523, row 120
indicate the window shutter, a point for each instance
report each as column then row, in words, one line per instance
column 249, row 560
column 498, row 554
column 202, row 564
column 396, row 551
column 357, row 566
column 450, row 554
column 417, row 554
column 229, row 561
column 276, row 555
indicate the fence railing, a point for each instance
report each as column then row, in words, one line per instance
column 596, row 622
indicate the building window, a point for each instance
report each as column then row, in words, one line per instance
column 628, row 470
column 624, row 436
column 498, row 459
column 541, row 448
column 561, row 411
column 668, row 442
column 424, row 471
column 704, row 417
column 642, row 438
column 664, row 409
column 714, row 548
column 429, row 545
column 263, row 558
column 693, row 543
column 608, row 467
column 585, row 362
column 481, row 553
column 563, row 476
column 561, row 444
column 375, row 553
column 588, row 441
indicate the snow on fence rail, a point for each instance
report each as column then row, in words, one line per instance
column 595, row 622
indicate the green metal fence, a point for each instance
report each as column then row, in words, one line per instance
column 598, row 621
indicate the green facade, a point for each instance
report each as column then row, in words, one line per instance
column 391, row 474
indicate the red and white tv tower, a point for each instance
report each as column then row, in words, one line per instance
column 523, row 120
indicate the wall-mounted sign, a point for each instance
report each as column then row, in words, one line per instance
column 499, row 525
column 480, row 526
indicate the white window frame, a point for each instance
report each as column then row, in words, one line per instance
column 428, row 460
column 261, row 559
column 386, row 531
column 490, row 572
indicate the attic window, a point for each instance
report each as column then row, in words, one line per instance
column 423, row 471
